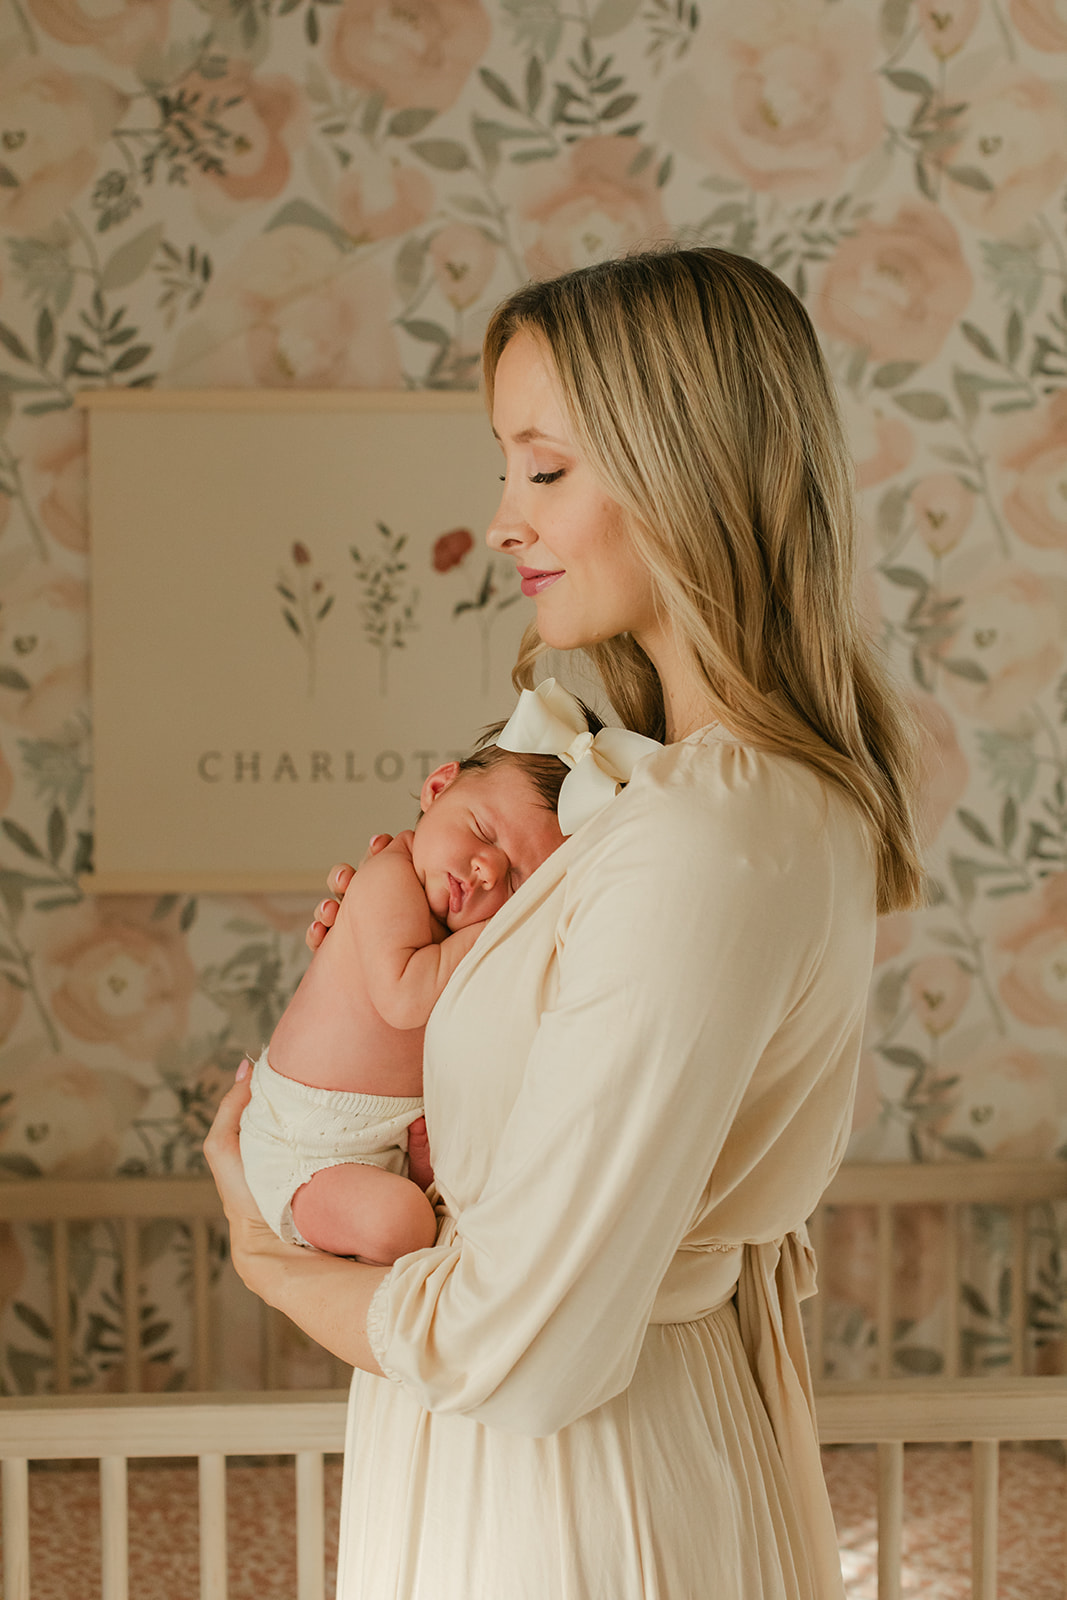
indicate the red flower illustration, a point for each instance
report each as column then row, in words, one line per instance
column 450, row 549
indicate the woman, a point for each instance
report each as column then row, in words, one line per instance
column 640, row 1080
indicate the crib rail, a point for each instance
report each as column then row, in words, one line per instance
column 890, row 1188
column 117, row 1428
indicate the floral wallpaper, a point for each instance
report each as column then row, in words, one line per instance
column 318, row 193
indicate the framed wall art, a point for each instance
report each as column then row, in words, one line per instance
column 294, row 619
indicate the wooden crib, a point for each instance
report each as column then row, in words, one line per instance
column 887, row 1410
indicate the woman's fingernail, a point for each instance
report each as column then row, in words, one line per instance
column 243, row 1070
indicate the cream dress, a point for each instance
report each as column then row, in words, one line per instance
column 637, row 1085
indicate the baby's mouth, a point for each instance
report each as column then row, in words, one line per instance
column 457, row 895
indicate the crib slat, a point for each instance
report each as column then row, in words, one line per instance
column 885, row 1290
column 16, row 1487
column 131, row 1319
column 114, row 1529
column 984, row 1463
column 310, row 1526
column 1018, row 1289
column 61, row 1306
column 212, row 1526
column 201, row 1304
column 952, row 1291
column 890, row 1518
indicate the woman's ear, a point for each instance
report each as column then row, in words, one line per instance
column 440, row 779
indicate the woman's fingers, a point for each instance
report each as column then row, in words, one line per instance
column 222, row 1149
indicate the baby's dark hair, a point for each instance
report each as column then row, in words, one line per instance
column 546, row 773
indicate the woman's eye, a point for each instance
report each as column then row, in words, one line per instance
column 546, row 477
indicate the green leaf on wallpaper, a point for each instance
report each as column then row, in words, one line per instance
column 13, row 344
column 961, row 1145
column 924, row 404
column 892, row 22
column 11, row 678
column 1013, row 337
column 918, row 1360
column 407, row 123
column 535, row 83
column 906, row 578
column 962, row 668
column 1015, row 270
column 19, row 836
column 910, row 82
column 426, row 333
column 901, row 1055
column 976, row 826
column 1009, row 823
column 409, row 264
column 889, row 518
column 302, row 214
column 611, row 16
column 496, row 86
column 971, row 178
column 892, row 373
column 981, row 341
column 537, row 25
column 447, row 155
column 131, row 260
column 887, row 996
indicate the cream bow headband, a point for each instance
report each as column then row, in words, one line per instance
column 549, row 721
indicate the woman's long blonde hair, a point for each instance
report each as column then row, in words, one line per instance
column 696, row 387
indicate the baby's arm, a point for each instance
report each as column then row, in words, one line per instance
column 407, row 956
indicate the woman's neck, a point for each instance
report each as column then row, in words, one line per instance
column 687, row 705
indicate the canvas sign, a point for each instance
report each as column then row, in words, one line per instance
column 295, row 619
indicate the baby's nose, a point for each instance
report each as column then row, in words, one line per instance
column 491, row 866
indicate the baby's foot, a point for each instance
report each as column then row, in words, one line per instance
column 420, row 1170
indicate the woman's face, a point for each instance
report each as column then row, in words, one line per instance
column 567, row 536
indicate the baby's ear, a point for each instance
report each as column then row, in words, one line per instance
column 440, row 779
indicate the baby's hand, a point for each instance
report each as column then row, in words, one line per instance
column 419, row 1169
column 337, row 882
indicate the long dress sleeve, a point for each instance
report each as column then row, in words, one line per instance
column 686, row 1087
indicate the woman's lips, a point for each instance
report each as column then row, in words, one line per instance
column 535, row 582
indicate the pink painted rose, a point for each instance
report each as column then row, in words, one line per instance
column 881, row 445
column 947, row 24
column 1033, row 453
column 1006, row 1100
column 119, row 30
column 784, row 94
column 44, row 645
column 52, row 124
column 463, row 262
column 1042, row 23
column 117, row 975
column 943, row 507
column 290, row 312
column 587, row 205
column 68, row 1120
column 1014, row 131
column 943, row 764
column 383, row 198
column 54, row 470
column 267, row 119
column 451, row 548
column 1031, row 941
column 1011, row 625
column 896, row 288
column 939, row 988
column 411, row 52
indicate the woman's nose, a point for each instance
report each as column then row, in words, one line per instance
column 508, row 530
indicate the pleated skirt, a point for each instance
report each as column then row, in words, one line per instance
column 674, row 1490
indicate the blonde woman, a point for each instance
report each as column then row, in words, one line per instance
column 593, row 1386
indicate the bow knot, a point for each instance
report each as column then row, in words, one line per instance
column 549, row 721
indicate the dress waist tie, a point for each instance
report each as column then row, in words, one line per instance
column 774, row 1279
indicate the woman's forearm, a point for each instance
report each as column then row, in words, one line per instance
column 326, row 1296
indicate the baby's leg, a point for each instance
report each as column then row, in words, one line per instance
column 354, row 1210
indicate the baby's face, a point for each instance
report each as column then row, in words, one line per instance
column 478, row 838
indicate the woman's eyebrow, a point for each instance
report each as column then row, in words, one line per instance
column 528, row 435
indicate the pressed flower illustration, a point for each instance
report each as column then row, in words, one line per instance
column 306, row 601
column 497, row 590
column 388, row 604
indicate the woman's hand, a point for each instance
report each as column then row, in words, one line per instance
column 337, row 882
column 251, row 1240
